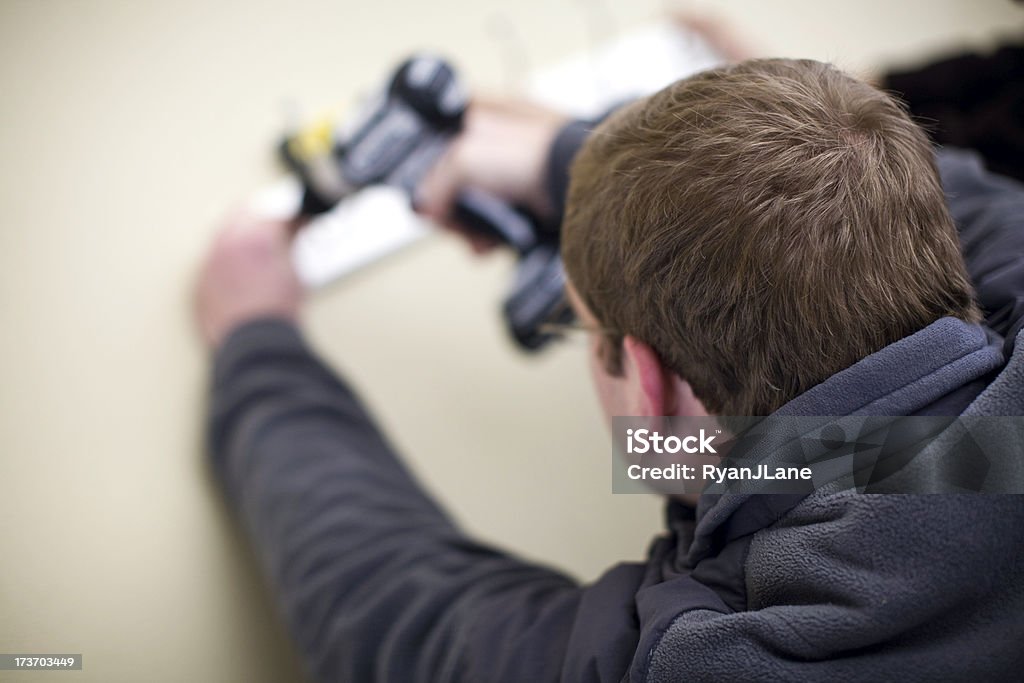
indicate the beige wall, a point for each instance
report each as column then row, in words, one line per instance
column 127, row 129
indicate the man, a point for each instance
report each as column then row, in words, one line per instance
column 766, row 238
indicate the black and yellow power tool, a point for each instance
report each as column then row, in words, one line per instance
column 395, row 140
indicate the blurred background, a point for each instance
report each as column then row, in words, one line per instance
column 128, row 128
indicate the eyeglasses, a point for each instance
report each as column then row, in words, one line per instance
column 563, row 324
column 573, row 329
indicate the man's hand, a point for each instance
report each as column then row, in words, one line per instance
column 502, row 150
column 248, row 274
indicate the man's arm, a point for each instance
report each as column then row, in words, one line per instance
column 989, row 214
column 374, row 580
column 518, row 152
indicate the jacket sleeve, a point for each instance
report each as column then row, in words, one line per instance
column 560, row 157
column 989, row 213
column 373, row 579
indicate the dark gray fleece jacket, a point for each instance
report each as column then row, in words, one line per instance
column 377, row 584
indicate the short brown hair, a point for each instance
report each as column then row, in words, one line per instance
column 762, row 226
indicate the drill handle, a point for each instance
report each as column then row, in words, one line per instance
column 488, row 215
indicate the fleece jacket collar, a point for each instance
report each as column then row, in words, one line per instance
column 901, row 379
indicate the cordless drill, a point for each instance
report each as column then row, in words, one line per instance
column 395, row 140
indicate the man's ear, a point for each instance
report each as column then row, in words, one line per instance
column 656, row 389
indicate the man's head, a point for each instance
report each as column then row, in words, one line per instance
column 746, row 233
